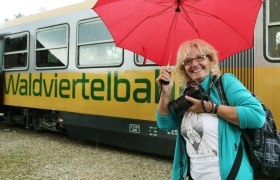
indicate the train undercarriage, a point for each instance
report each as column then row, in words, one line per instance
column 136, row 135
column 33, row 118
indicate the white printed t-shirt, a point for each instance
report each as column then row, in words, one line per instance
column 201, row 134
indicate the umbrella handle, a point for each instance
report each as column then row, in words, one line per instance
column 165, row 82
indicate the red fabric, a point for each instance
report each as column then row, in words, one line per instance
column 152, row 28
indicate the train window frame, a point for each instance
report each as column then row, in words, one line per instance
column 27, row 51
column 268, row 25
column 95, row 43
column 64, row 46
column 141, row 64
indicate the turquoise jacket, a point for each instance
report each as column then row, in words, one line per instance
column 250, row 113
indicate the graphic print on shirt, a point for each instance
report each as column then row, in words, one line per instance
column 194, row 133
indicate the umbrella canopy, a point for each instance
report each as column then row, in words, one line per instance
column 156, row 28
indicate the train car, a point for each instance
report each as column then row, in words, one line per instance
column 61, row 71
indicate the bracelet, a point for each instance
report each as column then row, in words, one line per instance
column 216, row 109
column 204, row 108
column 212, row 109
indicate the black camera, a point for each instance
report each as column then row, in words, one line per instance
column 194, row 90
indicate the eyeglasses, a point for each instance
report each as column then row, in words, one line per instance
column 188, row 61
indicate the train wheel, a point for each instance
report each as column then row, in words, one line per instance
column 37, row 123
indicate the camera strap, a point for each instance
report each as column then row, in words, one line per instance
column 204, row 108
column 213, row 78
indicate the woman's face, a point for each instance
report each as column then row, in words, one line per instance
column 197, row 68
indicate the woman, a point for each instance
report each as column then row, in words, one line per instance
column 211, row 134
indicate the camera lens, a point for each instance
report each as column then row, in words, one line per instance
column 180, row 105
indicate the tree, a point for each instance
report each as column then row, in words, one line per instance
column 18, row 15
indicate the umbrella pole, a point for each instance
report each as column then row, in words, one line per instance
column 174, row 24
column 172, row 44
column 172, row 40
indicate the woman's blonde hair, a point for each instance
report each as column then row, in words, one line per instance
column 184, row 52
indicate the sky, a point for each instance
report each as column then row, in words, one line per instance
column 9, row 8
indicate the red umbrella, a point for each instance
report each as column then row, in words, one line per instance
column 156, row 28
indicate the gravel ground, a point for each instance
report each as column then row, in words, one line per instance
column 27, row 154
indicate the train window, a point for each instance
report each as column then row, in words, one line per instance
column 16, row 48
column 139, row 60
column 52, row 47
column 273, row 30
column 274, row 14
column 96, row 47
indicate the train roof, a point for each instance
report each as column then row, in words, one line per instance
column 47, row 14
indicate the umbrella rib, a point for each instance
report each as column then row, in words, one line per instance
column 204, row 13
column 172, row 40
column 137, row 25
column 189, row 20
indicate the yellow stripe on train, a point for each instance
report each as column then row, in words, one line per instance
column 126, row 94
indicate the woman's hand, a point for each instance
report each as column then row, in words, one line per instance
column 166, row 90
column 229, row 113
column 197, row 105
column 165, row 75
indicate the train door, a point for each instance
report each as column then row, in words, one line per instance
column 267, row 57
column 1, row 75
